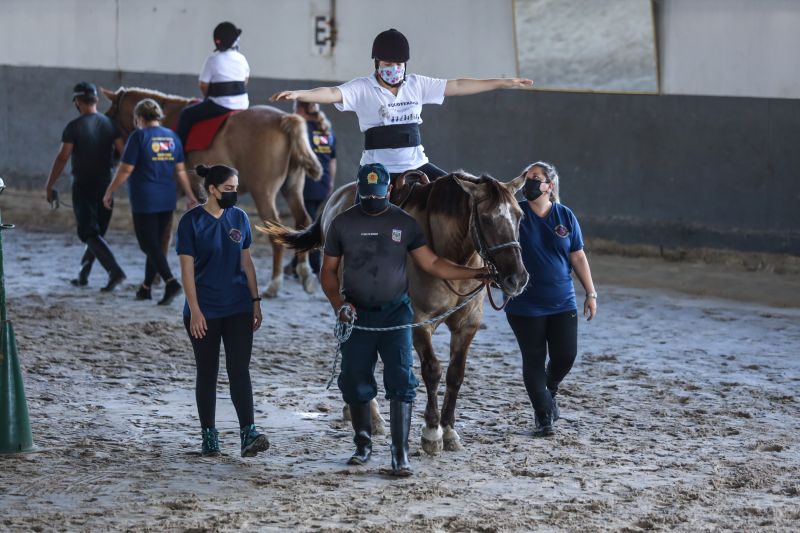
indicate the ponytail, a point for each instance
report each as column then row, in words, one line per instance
column 317, row 115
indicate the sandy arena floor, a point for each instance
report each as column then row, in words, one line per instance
column 680, row 414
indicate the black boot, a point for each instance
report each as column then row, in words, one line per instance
column 544, row 423
column 361, row 416
column 105, row 256
column 86, row 267
column 171, row 290
column 400, row 423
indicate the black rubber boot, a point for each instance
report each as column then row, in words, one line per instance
column 544, row 423
column 400, row 424
column 86, row 267
column 361, row 417
column 105, row 256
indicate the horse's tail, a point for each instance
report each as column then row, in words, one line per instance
column 302, row 241
column 301, row 157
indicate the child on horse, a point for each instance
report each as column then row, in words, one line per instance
column 389, row 103
column 223, row 81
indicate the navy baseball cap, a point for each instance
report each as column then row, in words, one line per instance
column 84, row 88
column 373, row 180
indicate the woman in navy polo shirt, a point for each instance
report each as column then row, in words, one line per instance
column 544, row 317
column 222, row 303
column 152, row 159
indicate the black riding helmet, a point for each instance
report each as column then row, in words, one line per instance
column 225, row 35
column 392, row 46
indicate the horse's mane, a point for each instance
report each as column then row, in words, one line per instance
column 445, row 197
column 152, row 93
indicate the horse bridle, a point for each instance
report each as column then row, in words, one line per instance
column 116, row 106
column 486, row 253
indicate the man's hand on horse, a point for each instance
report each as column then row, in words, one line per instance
column 484, row 275
column 284, row 95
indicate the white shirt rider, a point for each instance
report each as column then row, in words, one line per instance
column 228, row 65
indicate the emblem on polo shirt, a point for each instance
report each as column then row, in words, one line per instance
column 235, row 235
column 397, row 235
column 561, row 231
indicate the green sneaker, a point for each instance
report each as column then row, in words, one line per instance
column 252, row 441
column 210, row 442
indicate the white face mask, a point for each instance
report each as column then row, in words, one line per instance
column 392, row 74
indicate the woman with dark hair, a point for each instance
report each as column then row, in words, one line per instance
column 222, row 303
column 153, row 159
column 223, row 81
column 544, row 317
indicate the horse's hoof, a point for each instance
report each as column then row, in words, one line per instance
column 310, row 285
column 432, row 443
column 451, row 440
column 272, row 289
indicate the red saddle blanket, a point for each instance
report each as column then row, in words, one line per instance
column 202, row 134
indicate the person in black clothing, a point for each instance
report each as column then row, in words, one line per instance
column 89, row 141
column 323, row 143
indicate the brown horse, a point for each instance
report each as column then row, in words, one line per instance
column 268, row 147
column 459, row 214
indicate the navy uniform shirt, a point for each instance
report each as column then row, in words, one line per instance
column 546, row 245
column 374, row 251
column 324, row 146
column 92, row 138
column 216, row 245
column 153, row 152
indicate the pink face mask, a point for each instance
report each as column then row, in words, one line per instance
column 392, row 74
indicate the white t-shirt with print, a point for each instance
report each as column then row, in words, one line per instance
column 229, row 65
column 377, row 106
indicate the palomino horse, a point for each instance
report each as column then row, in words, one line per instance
column 464, row 218
column 268, row 147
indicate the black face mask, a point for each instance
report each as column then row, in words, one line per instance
column 531, row 190
column 373, row 206
column 228, row 199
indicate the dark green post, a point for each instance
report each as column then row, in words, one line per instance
column 15, row 425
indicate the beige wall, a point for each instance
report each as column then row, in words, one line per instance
column 449, row 38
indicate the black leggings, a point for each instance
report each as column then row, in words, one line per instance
column 191, row 115
column 151, row 230
column 236, row 333
column 537, row 335
column 430, row 170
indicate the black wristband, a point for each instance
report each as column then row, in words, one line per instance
column 257, row 299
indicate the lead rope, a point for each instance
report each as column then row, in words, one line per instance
column 344, row 328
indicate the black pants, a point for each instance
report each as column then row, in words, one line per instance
column 195, row 113
column 430, row 170
column 91, row 215
column 151, row 230
column 556, row 334
column 236, row 333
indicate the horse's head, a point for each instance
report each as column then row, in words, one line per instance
column 124, row 99
column 494, row 227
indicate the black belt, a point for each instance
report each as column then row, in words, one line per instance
column 392, row 136
column 227, row 88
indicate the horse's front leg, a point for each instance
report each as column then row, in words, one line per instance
column 431, row 375
column 461, row 336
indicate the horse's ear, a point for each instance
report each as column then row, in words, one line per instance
column 111, row 95
column 470, row 187
column 516, row 184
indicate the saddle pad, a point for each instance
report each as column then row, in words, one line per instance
column 202, row 134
